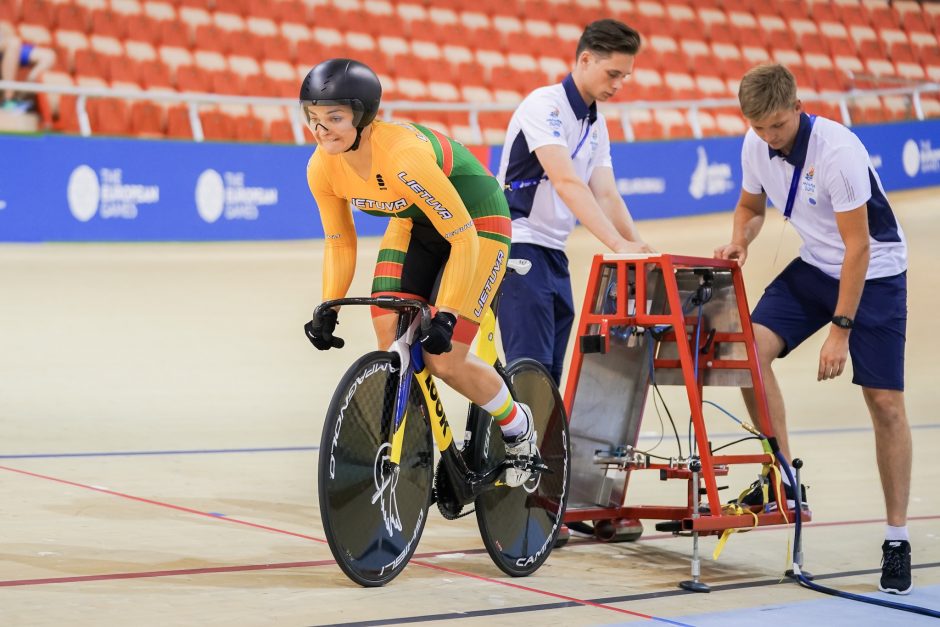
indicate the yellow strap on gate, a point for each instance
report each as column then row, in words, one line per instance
column 732, row 509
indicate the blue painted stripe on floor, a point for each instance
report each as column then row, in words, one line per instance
column 834, row 612
column 289, row 449
column 273, row 449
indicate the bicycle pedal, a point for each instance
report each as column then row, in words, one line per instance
column 530, row 464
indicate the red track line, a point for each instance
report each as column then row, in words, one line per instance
column 163, row 573
column 235, row 568
column 160, row 504
column 300, row 535
column 535, row 590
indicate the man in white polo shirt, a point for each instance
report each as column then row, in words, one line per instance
column 556, row 169
column 850, row 277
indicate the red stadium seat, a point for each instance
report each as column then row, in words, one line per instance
column 108, row 116
column 177, row 122
column 107, row 23
column 280, row 131
column 146, row 119
column 884, row 16
column 615, row 130
column 72, row 17
column 90, row 63
column 854, row 15
column 193, row 79
column 249, row 129
column 9, row 12
column 125, row 70
column 142, row 27
column 171, row 34
column 67, row 118
column 155, row 75
column 216, row 125
column 41, row 13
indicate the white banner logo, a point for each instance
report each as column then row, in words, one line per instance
column 83, row 193
column 710, row 179
column 210, row 196
column 227, row 195
column 910, row 157
column 104, row 193
column 920, row 157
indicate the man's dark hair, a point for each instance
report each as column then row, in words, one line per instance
column 605, row 37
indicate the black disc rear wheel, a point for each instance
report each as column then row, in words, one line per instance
column 372, row 515
column 519, row 525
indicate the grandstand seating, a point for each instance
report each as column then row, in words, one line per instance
column 452, row 50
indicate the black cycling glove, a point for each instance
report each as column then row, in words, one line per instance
column 437, row 338
column 320, row 331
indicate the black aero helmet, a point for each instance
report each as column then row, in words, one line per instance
column 345, row 82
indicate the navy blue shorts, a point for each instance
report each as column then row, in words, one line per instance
column 536, row 310
column 802, row 300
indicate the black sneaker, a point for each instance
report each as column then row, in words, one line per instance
column 755, row 496
column 896, row 567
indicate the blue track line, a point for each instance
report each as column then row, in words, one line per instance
column 291, row 449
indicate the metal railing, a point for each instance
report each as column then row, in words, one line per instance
column 194, row 100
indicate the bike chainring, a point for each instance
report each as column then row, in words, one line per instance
column 447, row 502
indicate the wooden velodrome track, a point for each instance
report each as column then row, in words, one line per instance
column 160, row 413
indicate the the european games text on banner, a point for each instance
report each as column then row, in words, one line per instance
column 55, row 188
column 685, row 177
column 97, row 189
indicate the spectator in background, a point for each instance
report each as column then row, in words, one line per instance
column 16, row 54
column 556, row 169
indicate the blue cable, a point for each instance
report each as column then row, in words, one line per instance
column 725, row 411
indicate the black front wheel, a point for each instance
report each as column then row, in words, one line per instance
column 374, row 513
column 519, row 525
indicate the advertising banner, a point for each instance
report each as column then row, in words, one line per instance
column 60, row 188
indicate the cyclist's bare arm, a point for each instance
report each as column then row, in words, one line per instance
column 576, row 194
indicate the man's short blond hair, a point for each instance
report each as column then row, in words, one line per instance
column 766, row 89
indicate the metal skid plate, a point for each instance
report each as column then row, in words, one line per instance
column 608, row 408
column 606, row 415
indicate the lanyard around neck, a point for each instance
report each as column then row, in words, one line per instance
column 523, row 183
column 795, row 181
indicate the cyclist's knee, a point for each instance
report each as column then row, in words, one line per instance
column 449, row 365
column 442, row 366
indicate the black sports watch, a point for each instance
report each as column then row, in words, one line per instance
column 843, row 322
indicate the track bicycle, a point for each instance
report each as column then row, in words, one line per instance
column 377, row 478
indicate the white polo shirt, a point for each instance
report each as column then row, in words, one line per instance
column 837, row 175
column 553, row 115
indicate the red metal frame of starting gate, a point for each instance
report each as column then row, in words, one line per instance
column 714, row 521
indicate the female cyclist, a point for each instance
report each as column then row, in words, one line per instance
column 448, row 221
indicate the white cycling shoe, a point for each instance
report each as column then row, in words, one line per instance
column 522, row 448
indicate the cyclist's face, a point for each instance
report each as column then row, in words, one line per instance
column 332, row 126
column 603, row 76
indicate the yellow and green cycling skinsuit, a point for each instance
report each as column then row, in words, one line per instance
column 445, row 211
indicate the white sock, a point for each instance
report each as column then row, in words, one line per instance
column 893, row 534
column 511, row 421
